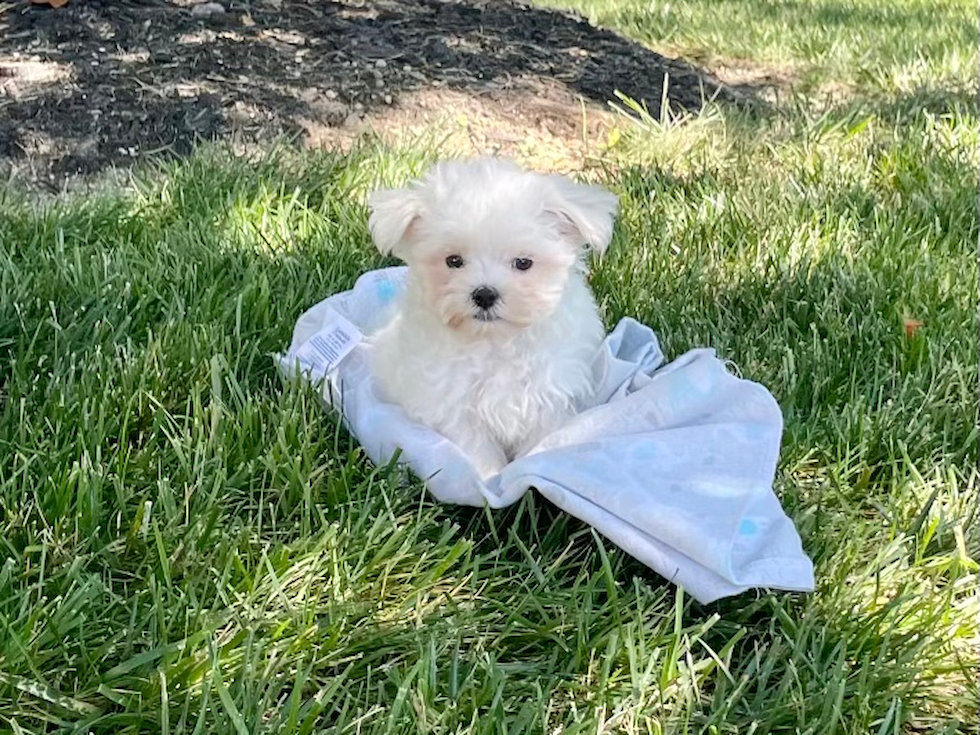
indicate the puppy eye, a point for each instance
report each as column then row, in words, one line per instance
column 454, row 261
column 522, row 264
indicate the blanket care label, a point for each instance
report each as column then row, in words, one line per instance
column 325, row 350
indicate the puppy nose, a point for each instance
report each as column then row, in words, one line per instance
column 485, row 297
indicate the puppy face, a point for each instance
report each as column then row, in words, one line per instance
column 489, row 245
column 495, row 267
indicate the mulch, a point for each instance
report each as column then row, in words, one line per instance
column 100, row 83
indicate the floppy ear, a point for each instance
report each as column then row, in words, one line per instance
column 394, row 213
column 585, row 213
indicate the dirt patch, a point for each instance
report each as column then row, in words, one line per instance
column 757, row 78
column 550, row 130
column 102, row 83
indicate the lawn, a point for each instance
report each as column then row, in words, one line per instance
column 189, row 545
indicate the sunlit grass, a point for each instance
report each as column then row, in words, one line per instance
column 877, row 46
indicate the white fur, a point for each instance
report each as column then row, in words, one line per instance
column 496, row 387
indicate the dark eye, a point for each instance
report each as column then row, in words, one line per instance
column 454, row 261
column 522, row 264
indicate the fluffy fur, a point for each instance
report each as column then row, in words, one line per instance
column 494, row 337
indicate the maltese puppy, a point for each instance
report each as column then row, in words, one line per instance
column 493, row 339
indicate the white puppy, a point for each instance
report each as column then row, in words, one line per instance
column 493, row 340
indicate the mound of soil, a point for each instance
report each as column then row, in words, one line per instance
column 101, row 83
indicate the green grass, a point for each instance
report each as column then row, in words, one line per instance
column 922, row 47
column 189, row 545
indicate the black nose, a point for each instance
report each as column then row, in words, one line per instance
column 485, row 297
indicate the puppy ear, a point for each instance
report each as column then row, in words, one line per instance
column 585, row 213
column 394, row 213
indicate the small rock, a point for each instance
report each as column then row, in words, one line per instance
column 331, row 112
column 207, row 10
column 331, row 94
column 381, row 63
column 387, row 99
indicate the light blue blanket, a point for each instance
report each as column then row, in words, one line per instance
column 675, row 466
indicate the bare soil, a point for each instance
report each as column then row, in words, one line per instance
column 103, row 83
